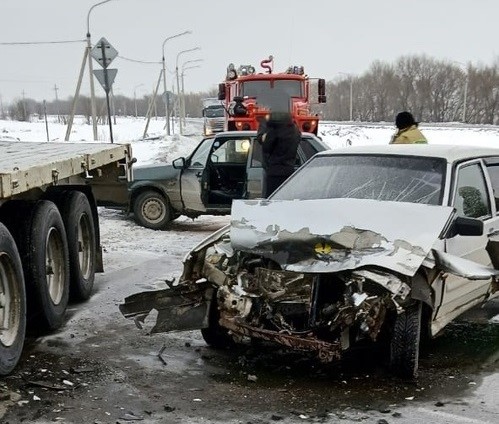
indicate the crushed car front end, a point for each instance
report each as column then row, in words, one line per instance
column 319, row 288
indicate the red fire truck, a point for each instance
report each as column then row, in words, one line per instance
column 250, row 96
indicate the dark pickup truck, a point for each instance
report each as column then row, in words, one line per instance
column 222, row 168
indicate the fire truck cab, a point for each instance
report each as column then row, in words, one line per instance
column 250, row 96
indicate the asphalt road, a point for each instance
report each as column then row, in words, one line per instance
column 101, row 369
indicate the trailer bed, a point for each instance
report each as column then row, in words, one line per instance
column 28, row 165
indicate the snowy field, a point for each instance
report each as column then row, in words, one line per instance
column 126, row 243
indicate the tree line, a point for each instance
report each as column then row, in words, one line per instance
column 433, row 90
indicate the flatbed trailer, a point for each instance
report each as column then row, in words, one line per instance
column 49, row 231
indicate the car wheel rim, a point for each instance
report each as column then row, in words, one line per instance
column 54, row 266
column 84, row 246
column 153, row 210
column 10, row 302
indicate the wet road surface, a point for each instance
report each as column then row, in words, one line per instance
column 101, row 369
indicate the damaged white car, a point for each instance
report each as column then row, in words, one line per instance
column 374, row 243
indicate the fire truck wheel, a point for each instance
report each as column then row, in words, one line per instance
column 80, row 232
column 152, row 210
column 12, row 303
column 44, row 252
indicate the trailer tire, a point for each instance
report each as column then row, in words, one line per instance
column 12, row 303
column 80, row 232
column 44, row 252
column 152, row 210
column 404, row 343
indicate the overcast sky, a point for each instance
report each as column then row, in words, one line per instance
column 327, row 37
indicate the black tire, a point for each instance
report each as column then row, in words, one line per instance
column 152, row 210
column 80, row 232
column 43, row 247
column 404, row 344
column 12, row 303
column 215, row 335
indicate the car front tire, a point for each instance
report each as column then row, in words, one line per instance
column 215, row 335
column 404, row 344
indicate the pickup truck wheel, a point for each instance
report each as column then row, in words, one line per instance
column 80, row 232
column 12, row 303
column 44, row 252
column 404, row 344
column 152, row 210
column 215, row 335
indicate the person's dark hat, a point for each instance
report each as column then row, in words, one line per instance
column 404, row 120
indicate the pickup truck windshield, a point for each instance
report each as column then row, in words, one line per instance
column 394, row 178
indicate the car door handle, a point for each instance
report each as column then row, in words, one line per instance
column 199, row 174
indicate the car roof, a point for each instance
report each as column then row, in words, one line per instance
column 251, row 134
column 452, row 153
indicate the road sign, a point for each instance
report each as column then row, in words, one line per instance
column 168, row 96
column 100, row 74
column 103, row 52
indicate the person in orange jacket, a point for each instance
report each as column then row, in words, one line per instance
column 407, row 130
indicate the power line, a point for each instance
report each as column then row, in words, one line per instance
column 140, row 61
column 17, row 43
column 28, row 81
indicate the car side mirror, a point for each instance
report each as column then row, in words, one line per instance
column 179, row 163
column 464, row 226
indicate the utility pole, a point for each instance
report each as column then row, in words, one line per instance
column 46, row 122
column 57, row 103
column 150, row 107
column 165, row 96
column 174, row 102
column 181, row 130
column 135, row 97
column 113, row 106
column 86, row 55
column 25, row 115
column 77, row 94
column 92, row 87
column 184, row 68
column 91, row 72
column 465, row 97
column 351, row 98
column 155, row 106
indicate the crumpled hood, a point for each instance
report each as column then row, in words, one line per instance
column 331, row 235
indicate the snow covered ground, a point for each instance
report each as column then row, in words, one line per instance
column 126, row 243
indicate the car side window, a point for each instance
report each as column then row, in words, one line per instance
column 256, row 155
column 307, row 148
column 493, row 171
column 230, row 151
column 471, row 198
column 200, row 155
